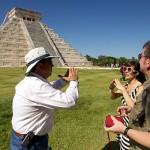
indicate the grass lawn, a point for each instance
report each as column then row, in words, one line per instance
column 79, row 128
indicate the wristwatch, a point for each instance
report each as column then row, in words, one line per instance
column 126, row 130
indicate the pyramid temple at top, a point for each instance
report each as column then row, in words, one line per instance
column 23, row 30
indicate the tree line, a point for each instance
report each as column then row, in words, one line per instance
column 109, row 60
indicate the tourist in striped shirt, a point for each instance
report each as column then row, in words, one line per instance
column 128, row 93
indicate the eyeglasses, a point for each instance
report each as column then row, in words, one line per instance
column 140, row 56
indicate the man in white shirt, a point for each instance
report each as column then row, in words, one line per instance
column 35, row 100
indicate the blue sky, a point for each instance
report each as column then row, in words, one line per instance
column 117, row 28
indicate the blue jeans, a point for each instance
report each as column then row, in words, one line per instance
column 37, row 143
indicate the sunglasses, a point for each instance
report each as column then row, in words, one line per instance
column 140, row 56
column 129, row 69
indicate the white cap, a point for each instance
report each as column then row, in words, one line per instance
column 35, row 55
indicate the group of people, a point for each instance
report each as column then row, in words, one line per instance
column 135, row 110
column 36, row 99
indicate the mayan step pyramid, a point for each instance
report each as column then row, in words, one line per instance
column 23, row 30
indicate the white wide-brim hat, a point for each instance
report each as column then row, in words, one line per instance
column 35, row 55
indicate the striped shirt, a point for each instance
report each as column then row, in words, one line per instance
column 123, row 140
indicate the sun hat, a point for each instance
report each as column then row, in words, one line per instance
column 35, row 55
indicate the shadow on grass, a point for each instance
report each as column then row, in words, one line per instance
column 113, row 145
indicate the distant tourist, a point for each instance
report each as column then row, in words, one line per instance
column 83, row 64
column 122, row 70
column 36, row 99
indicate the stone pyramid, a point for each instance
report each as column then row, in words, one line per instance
column 23, row 30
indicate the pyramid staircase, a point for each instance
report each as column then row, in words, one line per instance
column 24, row 31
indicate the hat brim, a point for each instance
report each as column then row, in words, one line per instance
column 32, row 65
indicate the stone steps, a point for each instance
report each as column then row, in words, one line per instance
column 12, row 63
column 68, row 53
column 11, row 56
column 39, row 38
column 13, row 45
column 6, row 49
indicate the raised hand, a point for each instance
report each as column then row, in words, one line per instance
column 111, row 85
column 118, row 85
column 71, row 75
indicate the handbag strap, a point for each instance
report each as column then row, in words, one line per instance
column 110, row 148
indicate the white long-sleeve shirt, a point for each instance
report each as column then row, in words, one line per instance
column 34, row 103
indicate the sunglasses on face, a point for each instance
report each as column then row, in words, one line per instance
column 129, row 69
column 140, row 56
